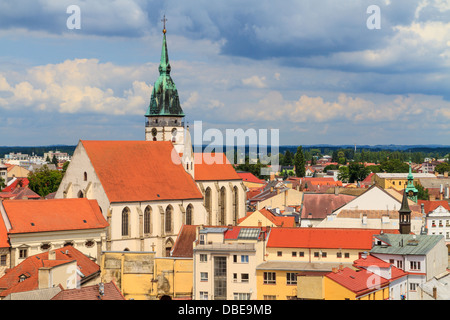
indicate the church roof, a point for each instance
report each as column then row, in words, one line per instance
column 214, row 167
column 140, row 171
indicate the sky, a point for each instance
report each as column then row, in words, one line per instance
column 319, row 71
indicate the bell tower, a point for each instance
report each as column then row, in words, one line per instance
column 164, row 117
column 404, row 215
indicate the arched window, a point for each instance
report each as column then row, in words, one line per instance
column 125, row 221
column 168, row 219
column 222, row 207
column 80, row 194
column 189, row 214
column 168, row 247
column 235, row 205
column 85, row 176
column 208, row 205
column 147, row 220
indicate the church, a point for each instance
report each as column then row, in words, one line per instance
column 147, row 190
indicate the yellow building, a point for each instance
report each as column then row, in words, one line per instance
column 350, row 284
column 397, row 181
column 142, row 276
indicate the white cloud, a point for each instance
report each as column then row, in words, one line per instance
column 255, row 81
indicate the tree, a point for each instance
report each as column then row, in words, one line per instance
column 299, row 162
column 357, row 172
column 55, row 161
column 287, row 160
column 422, row 193
column 2, row 183
column 44, row 181
column 343, row 174
column 443, row 167
column 394, row 166
column 331, row 167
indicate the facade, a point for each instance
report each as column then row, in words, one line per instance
column 398, row 181
column 225, row 261
column 33, row 227
column 421, row 256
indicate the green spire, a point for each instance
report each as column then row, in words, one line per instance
column 411, row 190
column 164, row 100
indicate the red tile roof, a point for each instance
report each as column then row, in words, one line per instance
column 31, row 265
column 183, row 246
column 53, row 215
column 213, row 167
column 111, row 292
column 323, row 238
column 358, row 281
column 279, row 221
column 18, row 182
column 371, row 261
column 432, row 205
column 318, row 206
column 140, row 171
column 4, row 243
column 249, row 177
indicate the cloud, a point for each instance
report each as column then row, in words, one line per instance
column 255, row 81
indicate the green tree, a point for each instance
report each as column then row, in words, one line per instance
column 443, row 167
column 357, row 172
column 44, row 181
column 299, row 162
column 343, row 174
column 422, row 193
column 2, row 183
column 288, row 158
column 330, row 167
column 55, row 161
column 394, row 166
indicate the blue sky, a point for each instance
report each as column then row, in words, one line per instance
column 311, row 69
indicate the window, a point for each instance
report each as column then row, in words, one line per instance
column 202, row 239
column 168, row 219
column 414, row 265
column 208, row 204
column 85, row 176
column 234, row 258
column 235, row 277
column 324, row 254
column 203, row 295
column 400, row 264
column 3, row 260
column 241, row 296
column 222, row 206
column 147, row 219
column 294, row 253
column 316, row 254
column 291, row 278
column 189, row 214
column 125, row 221
column 244, row 277
column 270, row 297
column 279, row 253
column 413, row 286
column 347, row 255
column 244, row 259
column 89, row 243
column 270, row 278
column 203, row 257
column 338, row 254
column 301, row 254
column 204, row 276
column 23, row 253
column 235, row 205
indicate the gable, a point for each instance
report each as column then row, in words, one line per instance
column 132, row 171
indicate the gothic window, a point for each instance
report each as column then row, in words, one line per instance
column 235, row 205
column 168, row 247
column 222, row 207
column 125, row 221
column 208, row 204
column 147, row 220
column 189, row 214
column 168, row 219
column 80, row 194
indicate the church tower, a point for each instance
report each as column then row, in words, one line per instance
column 411, row 190
column 404, row 215
column 164, row 117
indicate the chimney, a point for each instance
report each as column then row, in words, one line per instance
column 44, row 278
column 422, row 208
column 334, row 270
column 52, row 255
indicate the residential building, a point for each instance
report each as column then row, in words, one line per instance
column 66, row 267
column 225, row 260
column 437, row 288
column 250, row 180
column 398, row 181
column 421, row 256
column 266, row 218
column 349, row 284
column 33, row 227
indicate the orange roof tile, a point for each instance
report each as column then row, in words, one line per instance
column 53, row 215
column 4, row 243
column 358, row 281
column 153, row 171
column 184, row 245
column 213, row 167
column 432, row 205
column 31, row 265
column 249, row 177
column 323, row 238
column 111, row 292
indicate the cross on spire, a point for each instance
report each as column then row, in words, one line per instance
column 164, row 22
